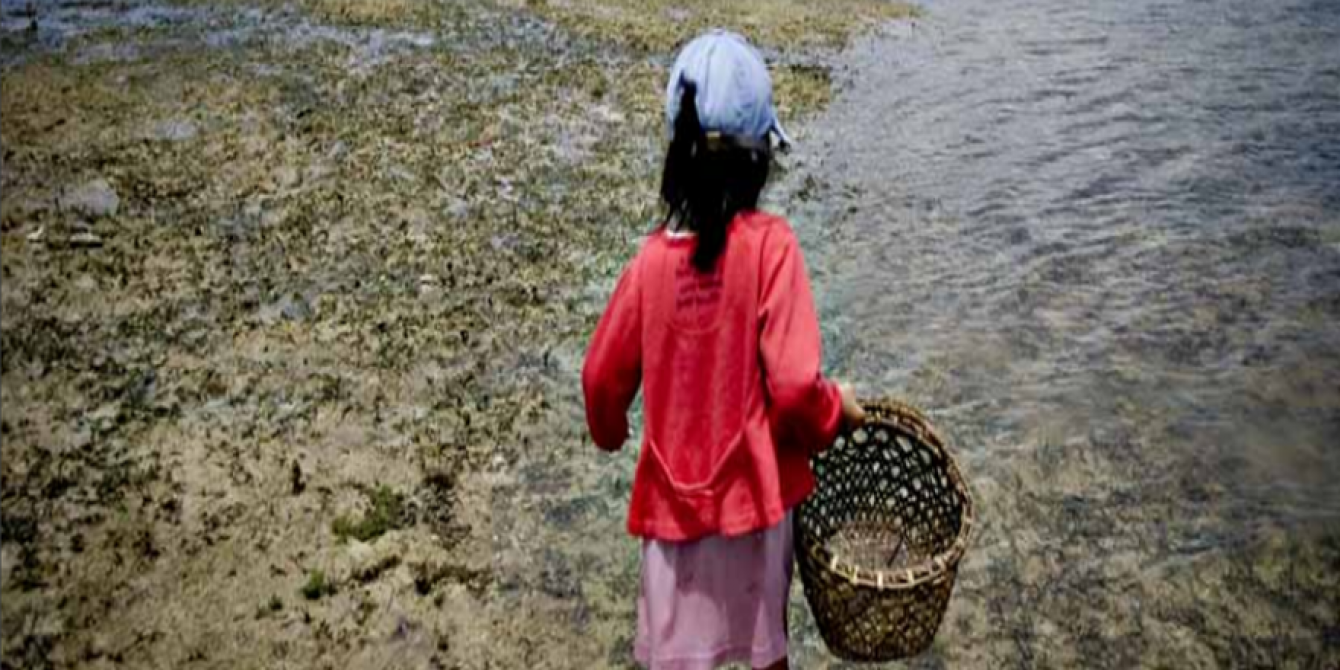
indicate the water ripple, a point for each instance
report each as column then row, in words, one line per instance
column 1078, row 212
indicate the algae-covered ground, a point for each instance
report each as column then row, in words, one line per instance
column 294, row 300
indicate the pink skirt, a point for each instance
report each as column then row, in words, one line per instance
column 715, row 600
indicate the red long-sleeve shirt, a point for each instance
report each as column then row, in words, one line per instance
column 729, row 364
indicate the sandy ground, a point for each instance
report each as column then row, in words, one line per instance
column 295, row 298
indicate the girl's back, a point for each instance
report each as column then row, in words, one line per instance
column 729, row 364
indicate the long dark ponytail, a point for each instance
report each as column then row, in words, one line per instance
column 707, row 181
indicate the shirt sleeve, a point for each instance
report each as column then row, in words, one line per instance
column 805, row 408
column 613, row 368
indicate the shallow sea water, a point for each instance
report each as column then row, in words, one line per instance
column 1100, row 244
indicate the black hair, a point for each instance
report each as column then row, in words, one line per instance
column 707, row 181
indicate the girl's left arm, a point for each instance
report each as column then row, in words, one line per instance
column 613, row 368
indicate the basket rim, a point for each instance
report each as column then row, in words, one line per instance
column 931, row 568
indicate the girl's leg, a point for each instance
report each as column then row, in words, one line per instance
column 779, row 664
column 787, row 551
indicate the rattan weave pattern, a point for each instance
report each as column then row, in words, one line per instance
column 880, row 539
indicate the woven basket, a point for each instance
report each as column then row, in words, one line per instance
column 880, row 539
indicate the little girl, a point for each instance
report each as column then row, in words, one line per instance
column 715, row 321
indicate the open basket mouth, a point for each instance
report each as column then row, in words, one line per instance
column 880, row 539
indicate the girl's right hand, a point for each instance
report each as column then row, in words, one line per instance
column 853, row 414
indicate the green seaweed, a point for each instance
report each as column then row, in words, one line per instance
column 317, row 586
column 386, row 512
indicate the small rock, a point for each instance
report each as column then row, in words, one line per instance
column 295, row 308
column 287, row 177
column 402, row 174
column 85, row 241
column 504, row 242
column 606, row 114
column 361, row 554
column 458, row 208
column 174, row 130
column 94, row 198
column 107, row 414
column 289, row 308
